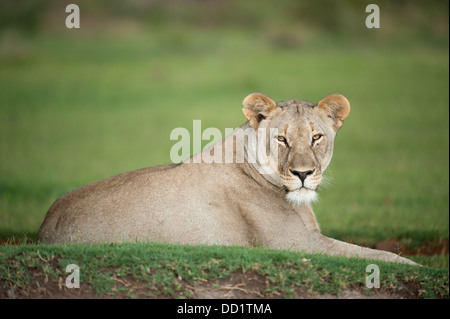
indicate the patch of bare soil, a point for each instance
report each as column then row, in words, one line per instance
column 437, row 247
column 251, row 285
column 240, row 285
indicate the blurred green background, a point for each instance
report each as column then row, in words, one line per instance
column 78, row 105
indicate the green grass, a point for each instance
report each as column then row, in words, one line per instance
column 163, row 270
column 69, row 117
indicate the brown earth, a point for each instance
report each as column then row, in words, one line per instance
column 240, row 285
column 437, row 247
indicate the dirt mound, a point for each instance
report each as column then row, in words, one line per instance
column 240, row 285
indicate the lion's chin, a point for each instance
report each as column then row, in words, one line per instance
column 301, row 196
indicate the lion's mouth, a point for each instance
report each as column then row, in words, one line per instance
column 300, row 189
column 295, row 185
column 304, row 189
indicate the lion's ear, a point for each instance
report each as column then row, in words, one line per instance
column 257, row 107
column 335, row 107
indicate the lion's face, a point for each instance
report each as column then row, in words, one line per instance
column 304, row 134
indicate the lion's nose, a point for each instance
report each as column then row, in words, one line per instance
column 302, row 175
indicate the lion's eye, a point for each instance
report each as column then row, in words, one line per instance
column 282, row 139
column 316, row 137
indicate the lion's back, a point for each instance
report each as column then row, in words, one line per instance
column 83, row 213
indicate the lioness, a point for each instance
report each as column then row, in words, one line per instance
column 239, row 203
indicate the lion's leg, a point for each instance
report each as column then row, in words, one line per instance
column 331, row 246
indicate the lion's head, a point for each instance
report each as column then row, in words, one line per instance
column 304, row 133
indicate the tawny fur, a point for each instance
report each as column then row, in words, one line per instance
column 221, row 203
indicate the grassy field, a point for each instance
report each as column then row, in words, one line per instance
column 69, row 118
column 172, row 271
column 81, row 105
